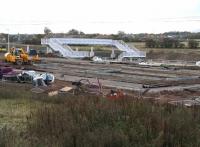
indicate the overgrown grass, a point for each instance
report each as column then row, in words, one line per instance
column 93, row 121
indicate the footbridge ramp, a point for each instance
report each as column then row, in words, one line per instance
column 62, row 45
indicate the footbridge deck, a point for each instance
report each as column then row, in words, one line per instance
column 62, row 45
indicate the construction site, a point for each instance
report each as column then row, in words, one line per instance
column 98, row 92
column 126, row 72
column 100, row 73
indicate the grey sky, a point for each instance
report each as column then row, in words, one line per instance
column 100, row 16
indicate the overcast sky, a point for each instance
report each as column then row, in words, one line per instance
column 100, row 16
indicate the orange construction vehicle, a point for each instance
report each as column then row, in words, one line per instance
column 34, row 56
column 19, row 56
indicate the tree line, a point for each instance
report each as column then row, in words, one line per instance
column 163, row 40
column 171, row 43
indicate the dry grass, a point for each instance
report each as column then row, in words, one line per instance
column 92, row 121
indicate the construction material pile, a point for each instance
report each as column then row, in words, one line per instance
column 22, row 76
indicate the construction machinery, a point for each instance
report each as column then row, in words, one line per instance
column 19, row 56
column 34, row 56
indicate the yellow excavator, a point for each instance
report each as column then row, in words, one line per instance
column 19, row 56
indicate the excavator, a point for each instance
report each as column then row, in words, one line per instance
column 19, row 56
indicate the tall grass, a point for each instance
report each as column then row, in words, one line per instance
column 93, row 121
column 75, row 121
column 14, row 90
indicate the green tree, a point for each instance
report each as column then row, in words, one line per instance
column 169, row 43
column 150, row 43
column 193, row 44
column 120, row 35
column 73, row 32
column 47, row 31
column 176, row 43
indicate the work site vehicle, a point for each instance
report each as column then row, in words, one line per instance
column 33, row 55
column 19, row 56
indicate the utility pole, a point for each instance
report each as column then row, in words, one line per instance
column 8, row 42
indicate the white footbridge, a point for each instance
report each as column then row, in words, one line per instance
column 62, row 46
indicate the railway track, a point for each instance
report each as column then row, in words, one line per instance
column 132, row 74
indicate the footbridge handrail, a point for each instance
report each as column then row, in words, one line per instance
column 58, row 45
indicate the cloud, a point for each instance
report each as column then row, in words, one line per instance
column 104, row 16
